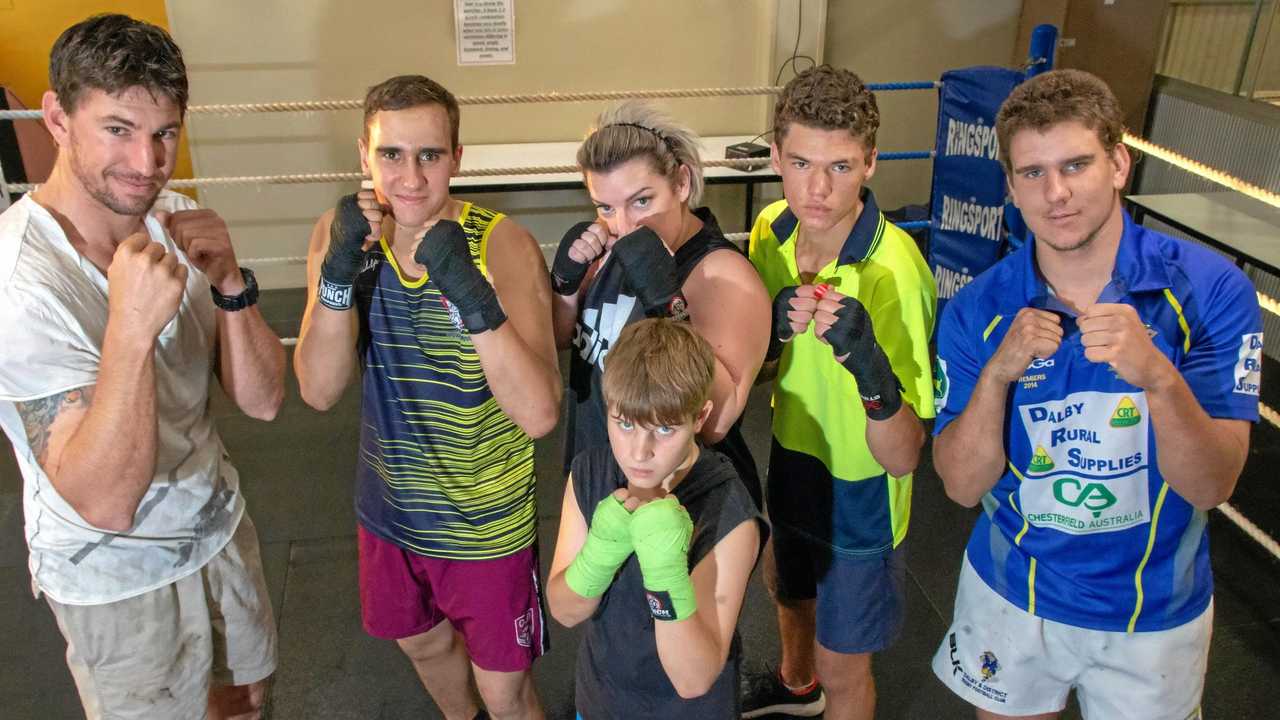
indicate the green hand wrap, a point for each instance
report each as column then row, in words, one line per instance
column 607, row 547
column 661, row 531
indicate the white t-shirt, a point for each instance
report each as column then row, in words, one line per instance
column 53, row 315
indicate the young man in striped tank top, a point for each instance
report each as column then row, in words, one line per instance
column 453, row 334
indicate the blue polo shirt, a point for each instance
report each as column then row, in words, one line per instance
column 1082, row 528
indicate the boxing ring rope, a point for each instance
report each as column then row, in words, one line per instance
column 1246, row 525
column 338, row 177
column 1200, row 169
column 524, row 98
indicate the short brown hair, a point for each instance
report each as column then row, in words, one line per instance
column 1060, row 96
column 113, row 53
column 659, row 372
column 638, row 129
column 828, row 98
column 403, row 92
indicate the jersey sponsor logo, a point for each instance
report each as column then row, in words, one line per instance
column 950, row 281
column 1077, row 459
column 1039, row 414
column 600, row 329
column 941, row 385
column 1126, row 414
column 985, row 221
column 1061, row 435
column 1088, row 468
column 1248, row 371
column 1095, row 496
column 990, row 665
column 972, row 140
column 1040, row 462
column 979, row 685
column 1032, row 380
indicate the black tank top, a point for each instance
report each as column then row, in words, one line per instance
column 608, row 306
column 619, row 673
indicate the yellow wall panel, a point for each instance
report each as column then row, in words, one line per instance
column 28, row 29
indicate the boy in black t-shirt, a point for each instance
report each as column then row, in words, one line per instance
column 661, row 568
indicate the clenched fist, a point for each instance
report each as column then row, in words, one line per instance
column 1033, row 334
column 145, row 285
column 203, row 236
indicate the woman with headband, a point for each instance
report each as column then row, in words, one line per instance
column 652, row 251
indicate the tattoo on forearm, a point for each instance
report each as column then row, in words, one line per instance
column 38, row 417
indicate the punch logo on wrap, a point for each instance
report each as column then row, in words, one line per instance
column 660, row 606
column 1088, row 466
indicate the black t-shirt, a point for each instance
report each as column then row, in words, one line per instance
column 608, row 306
column 619, row 674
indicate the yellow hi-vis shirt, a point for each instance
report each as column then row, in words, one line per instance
column 816, row 408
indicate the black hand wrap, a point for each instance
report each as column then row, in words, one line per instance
column 567, row 273
column 345, row 258
column 446, row 255
column 852, row 334
column 781, row 323
column 651, row 270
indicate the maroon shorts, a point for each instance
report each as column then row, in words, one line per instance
column 495, row 605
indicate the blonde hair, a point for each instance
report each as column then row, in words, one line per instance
column 638, row 129
column 659, row 372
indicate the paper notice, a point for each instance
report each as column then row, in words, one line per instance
column 485, row 31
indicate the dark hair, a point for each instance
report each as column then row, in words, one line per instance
column 1055, row 97
column 828, row 98
column 113, row 53
column 410, row 91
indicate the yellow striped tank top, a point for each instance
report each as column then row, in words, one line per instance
column 442, row 471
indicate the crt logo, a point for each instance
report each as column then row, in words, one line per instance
column 1248, row 370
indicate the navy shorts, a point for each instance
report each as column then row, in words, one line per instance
column 861, row 600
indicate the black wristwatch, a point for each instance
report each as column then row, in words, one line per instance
column 247, row 297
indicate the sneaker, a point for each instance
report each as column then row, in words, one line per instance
column 764, row 694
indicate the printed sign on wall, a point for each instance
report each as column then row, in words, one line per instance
column 485, row 31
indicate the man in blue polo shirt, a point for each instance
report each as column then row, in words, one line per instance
column 1095, row 392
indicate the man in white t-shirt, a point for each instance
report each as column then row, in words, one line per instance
column 118, row 300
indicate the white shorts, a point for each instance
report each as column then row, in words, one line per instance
column 154, row 656
column 1003, row 660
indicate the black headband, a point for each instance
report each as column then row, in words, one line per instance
column 670, row 143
